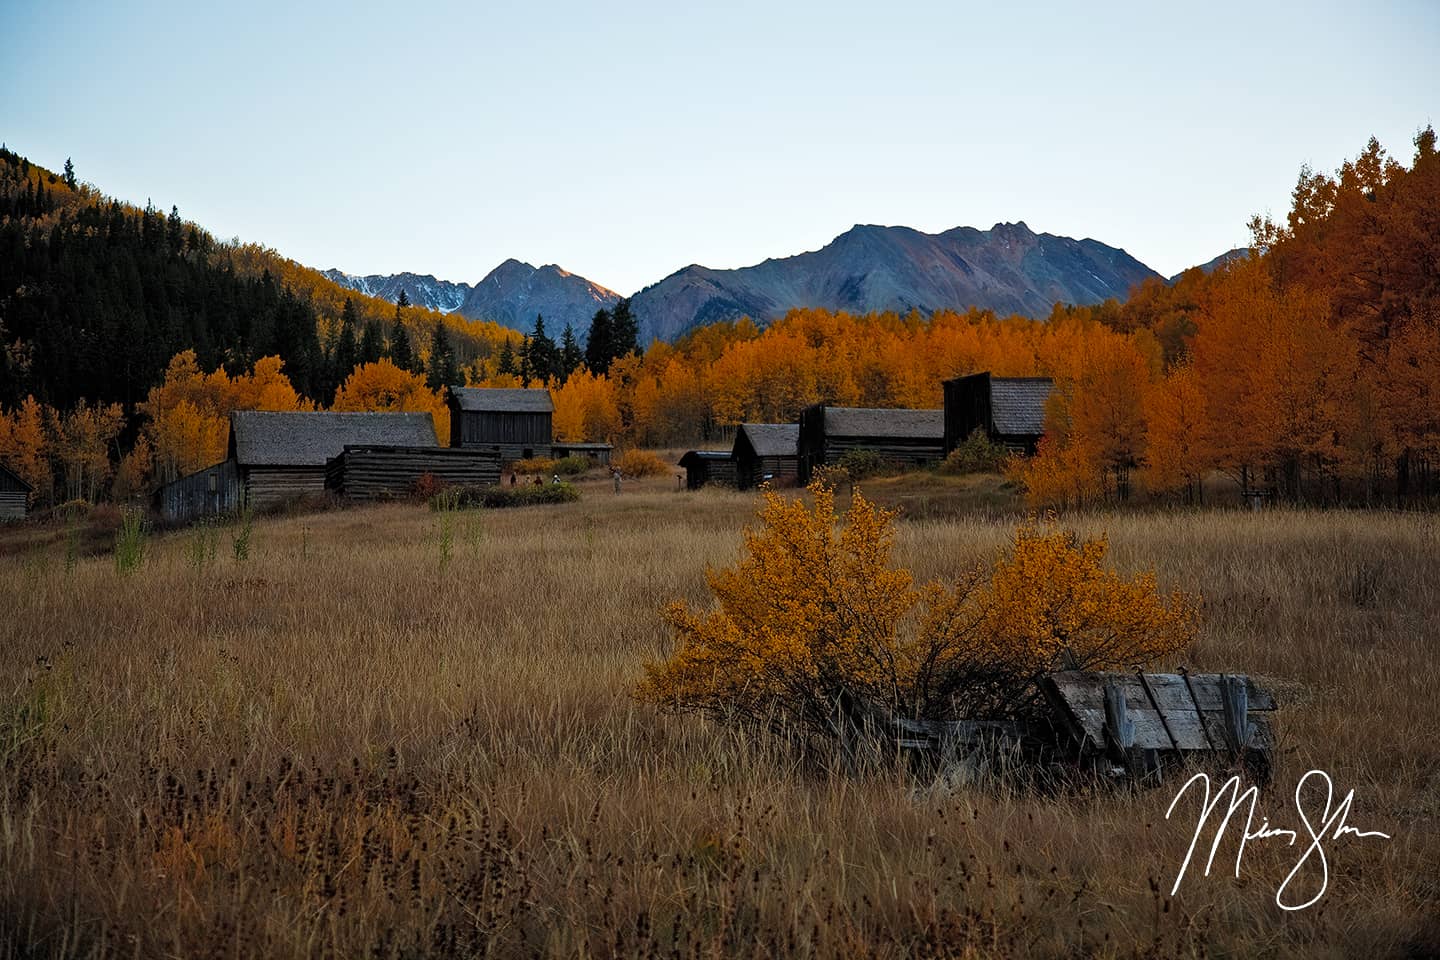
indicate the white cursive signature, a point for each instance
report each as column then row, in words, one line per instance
column 1331, row 826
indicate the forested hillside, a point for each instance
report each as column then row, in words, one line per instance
column 96, row 296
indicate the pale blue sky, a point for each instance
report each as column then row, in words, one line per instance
column 626, row 140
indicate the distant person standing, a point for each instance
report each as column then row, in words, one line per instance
column 513, row 481
column 615, row 475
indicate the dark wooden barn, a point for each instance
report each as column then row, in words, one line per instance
column 905, row 437
column 766, row 452
column 708, row 466
column 14, row 495
column 381, row 473
column 1011, row 410
column 515, row 423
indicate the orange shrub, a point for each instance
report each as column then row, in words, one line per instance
column 816, row 628
column 641, row 463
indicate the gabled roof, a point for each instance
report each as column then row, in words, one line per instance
column 878, row 422
column 17, row 478
column 771, row 439
column 502, row 400
column 1017, row 404
column 693, row 457
column 274, row 439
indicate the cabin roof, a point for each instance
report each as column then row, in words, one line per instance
column 16, row 477
column 771, row 439
column 1017, row 404
column 883, row 422
column 697, row 457
column 502, row 399
column 302, row 439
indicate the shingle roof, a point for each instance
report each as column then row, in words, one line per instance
column 274, row 439
column 703, row 456
column 771, row 439
column 502, row 400
column 1017, row 404
column 873, row 422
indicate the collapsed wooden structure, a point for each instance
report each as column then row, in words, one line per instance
column 382, row 473
column 1129, row 725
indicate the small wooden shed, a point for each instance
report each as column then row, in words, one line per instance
column 906, row 437
column 14, row 495
column 205, row 493
column 513, row 422
column 381, row 473
column 1011, row 410
column 766, row 452
column 708, row 466
column 282, row 456
column 594, row 452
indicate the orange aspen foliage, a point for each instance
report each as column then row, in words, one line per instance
column 25, row 448
column 382, row 386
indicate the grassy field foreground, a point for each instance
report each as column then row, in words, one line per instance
column 345, row 747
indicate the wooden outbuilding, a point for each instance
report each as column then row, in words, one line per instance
column 1011, row 410
column 512, row 422
column 14, row 495
column 766, row 453
column 382, row 473
column 708, row 466
column 904, row 437
column 594, row 452
column 282, row 456
column 205, row 493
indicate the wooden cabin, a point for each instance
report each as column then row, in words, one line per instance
column 594, row 452
column 282, row 456
column 708, row 466
column 14, row 495
column 766, row 452
column 515, row 423
column 905, row 437
column 384, row 473
column 1011, row 410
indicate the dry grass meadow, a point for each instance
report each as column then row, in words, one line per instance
column 342, row 747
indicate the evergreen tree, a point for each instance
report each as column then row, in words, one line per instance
column 371, row 348
column 522, row 362
column 401, row 353
column 505, row 362
column 69, row 174
column 544, row 357
column 570, row 355
column 599, row 343
column 346, row 349
column 443, row 371
column 626, row 331
column 175, row 231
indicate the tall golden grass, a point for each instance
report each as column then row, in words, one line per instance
column 343, row 747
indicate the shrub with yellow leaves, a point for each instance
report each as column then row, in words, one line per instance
column 816, row 631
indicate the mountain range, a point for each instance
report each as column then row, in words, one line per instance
column 1009, row 269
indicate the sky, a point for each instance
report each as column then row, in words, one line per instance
column 626, row 140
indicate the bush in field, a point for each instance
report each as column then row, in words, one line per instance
column 535, row 465
column 977, row 453
column 641, row 463
column 426, row 486
column 524, row 495
column 572, row 466
column 816, row 628
column 130, row 541
column 860, row 464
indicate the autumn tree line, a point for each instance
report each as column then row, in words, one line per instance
column 1309, row 369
